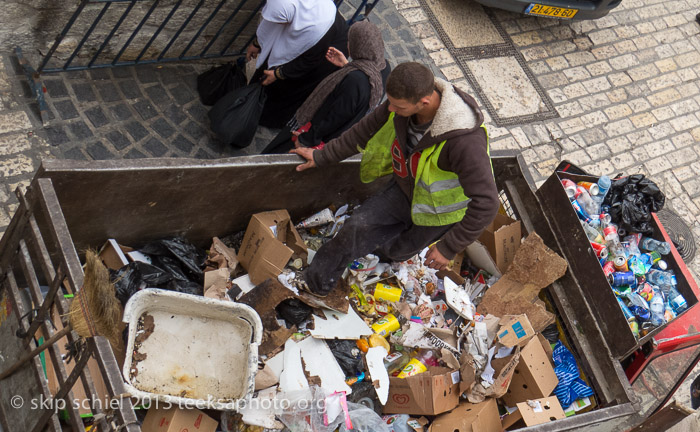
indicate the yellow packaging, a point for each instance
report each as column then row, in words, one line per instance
column 386, row 325
column 376, row 340
column 387, row 292
column 414, row 367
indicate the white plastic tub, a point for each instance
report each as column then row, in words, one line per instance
column 198, row 352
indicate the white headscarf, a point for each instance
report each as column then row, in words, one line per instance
column 290, row 27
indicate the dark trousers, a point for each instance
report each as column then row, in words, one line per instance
column 382, row 225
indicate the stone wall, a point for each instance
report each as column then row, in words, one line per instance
column 34, row 25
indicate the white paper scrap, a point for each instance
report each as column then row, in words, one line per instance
column 320, row 362
column 377, row 371
column 340, row 326
column 458, row 299
column 292, row 377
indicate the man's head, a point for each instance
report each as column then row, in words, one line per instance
column 409, row 88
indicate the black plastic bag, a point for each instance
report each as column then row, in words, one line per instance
column 136, row 276
column 294, row 311
column 234, row 118
column 348, row 355
column 215, row 83
column 184, row 260
column 631, row 200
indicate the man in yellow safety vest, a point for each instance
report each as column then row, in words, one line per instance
column 429, row 136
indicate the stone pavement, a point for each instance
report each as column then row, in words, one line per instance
column 617, row 94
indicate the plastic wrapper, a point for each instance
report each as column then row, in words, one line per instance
column 294, row 311
column 398, row 422
column 364, row 420
column 348, row 355
column 571, row 386
column 135, row 276
column 632, row 199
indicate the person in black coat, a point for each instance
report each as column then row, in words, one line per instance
column 344, row 97
column 290, row 46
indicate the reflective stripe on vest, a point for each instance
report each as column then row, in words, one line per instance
column 438, row 198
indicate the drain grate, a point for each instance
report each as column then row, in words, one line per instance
column 681, row 235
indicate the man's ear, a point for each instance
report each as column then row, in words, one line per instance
column 425, row 101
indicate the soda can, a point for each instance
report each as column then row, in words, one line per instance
column 601, row 251
column 620, row 264
column 634, row 327
column 641, row 313
column 608, row 269
column 622, row 278
column 569, row 187
column 591, row 187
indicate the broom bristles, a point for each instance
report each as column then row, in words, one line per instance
column 95, row 310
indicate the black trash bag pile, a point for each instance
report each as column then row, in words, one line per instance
column 294, row 311
column 348, row 355
column 175, row 265
column 631, row 200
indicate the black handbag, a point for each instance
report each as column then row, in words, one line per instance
column 215, row 83
column 234, row 118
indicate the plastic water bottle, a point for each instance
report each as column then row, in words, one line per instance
column 612, row 239
column 657, row 308
column 654, row 245
column 584, row 198
column 604, row 184
column 676, row 300
column 659, row 278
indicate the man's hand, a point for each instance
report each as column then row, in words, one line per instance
column 307, row 153
column 434, row 259
column 269, row 77
column 336, row 57
column 252, row 52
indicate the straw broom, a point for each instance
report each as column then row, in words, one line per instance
column 94, row 311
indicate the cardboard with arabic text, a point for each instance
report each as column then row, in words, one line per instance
column 176, row 419
column 432, row 392
column 469, row 417
column 515, row 330
column 268, row 243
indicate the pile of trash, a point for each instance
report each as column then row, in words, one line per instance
column 397, row 346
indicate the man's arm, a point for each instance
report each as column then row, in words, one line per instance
column 347, row 144
column 467, row 157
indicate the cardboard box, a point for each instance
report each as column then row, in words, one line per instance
column 432, row 392
column 113, row 255
column 533, row 378
column 176, row 419
column 453, row 270
column 468, row 417
column 515, row 330
column 502, row 238
column 269, row 242
column 540, row 411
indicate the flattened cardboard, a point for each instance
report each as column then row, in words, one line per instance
column 265, row 253
column 176, row 419
column 432, row 392
column 453, row 270
column 515, row 330
column 264, row 299
column 469, row 417
column 544, row 411
column 533, row 378
column 535, row 266
column 502, row 239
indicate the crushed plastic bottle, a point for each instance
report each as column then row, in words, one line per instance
column 657, row 308
column 650, row 244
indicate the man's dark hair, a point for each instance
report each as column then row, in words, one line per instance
column 410, row 81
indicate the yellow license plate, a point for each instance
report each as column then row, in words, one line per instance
column 550, row 11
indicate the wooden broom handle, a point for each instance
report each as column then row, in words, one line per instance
column 47, row 343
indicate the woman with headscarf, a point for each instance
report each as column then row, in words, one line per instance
column 344, row 97
column 292, row 40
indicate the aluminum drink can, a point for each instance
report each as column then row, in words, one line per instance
column 622, row 278
column 591, row 187
column 601, row 251
column 608, row 269
column 620, row 264
column 569, row 187
column 634, row 327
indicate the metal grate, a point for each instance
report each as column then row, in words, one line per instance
column 681, row 235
